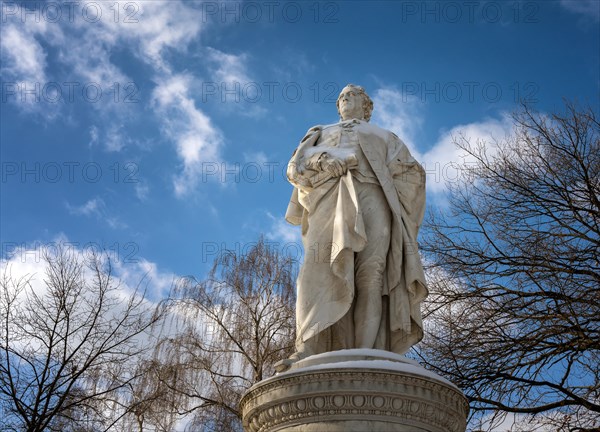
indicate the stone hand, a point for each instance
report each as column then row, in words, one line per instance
column 332, row 165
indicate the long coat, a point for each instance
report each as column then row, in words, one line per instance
column 330, row 216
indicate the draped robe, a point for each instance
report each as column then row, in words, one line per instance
column 329, row 213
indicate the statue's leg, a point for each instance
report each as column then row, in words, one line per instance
column 342, row 332
column 370, row 264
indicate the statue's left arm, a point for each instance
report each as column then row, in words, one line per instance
column 409, row 181
column 408, row 177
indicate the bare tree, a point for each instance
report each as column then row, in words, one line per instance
column 232, row 328
column 67, row 349
column 515, row 266
column 151, row 404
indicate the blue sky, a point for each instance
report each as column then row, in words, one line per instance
column 161, row 130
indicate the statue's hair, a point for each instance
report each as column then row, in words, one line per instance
column 367, row 102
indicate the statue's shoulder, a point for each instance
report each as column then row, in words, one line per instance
column 314, row 128
column 397, row 140
column 329, row 126
column 323, row 126
column 323, row 129
column 380, row 132
column 311, row 132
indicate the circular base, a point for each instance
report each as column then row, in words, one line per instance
column 355, row 390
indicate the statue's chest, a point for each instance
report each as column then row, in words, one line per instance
column 372, row 145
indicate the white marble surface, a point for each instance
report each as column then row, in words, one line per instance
column 360, row 198
column 355, row 391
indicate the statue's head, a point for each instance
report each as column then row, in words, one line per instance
column 354, row 102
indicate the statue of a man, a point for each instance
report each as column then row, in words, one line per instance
column 359, row 196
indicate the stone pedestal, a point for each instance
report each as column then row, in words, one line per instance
column 355, row 390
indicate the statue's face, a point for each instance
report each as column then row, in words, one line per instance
column 351, row 104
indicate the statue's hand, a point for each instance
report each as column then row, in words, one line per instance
column 332, row 165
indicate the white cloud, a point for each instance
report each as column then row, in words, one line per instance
column 142, row 190
column 112, row 137
column 85, row 48
column 130, row 274
column 444, row 161
column 97, row 208
column 197, row 140
column 228, row 68
column 115, row 140
column 93, row 135
column 116, row 223
column 25, row 58
column 282, row 232
column 236, row 91
column 399, row 113
column 259, row 158
column 127, row 266
column 515, row 423
column 139, row 270
column 88, row 58
column 91, row 207
column 85, row 51
column 149, row 29
column 154, row 28
column 587, row 8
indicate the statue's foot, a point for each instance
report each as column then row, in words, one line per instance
column 285, row 364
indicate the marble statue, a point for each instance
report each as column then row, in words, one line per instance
column 359, row 197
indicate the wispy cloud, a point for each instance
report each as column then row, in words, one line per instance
column 129, row 269
column 110, row 137
column 445, row 162
column 150, row 31
column 96, row 207
column 162, row 27
column 399, row 113
column 282, row 232
column 93, row 135
column 230, row 79
column 228, row 68
column 91, row 207
column 197, row 140
column 81, row 50
column 24, row 59
column 259, row 158
column 587, row 8
column 115, row 140
column 142, row 190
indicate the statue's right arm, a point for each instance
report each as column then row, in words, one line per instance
column 310, row 132
column 299, row 163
